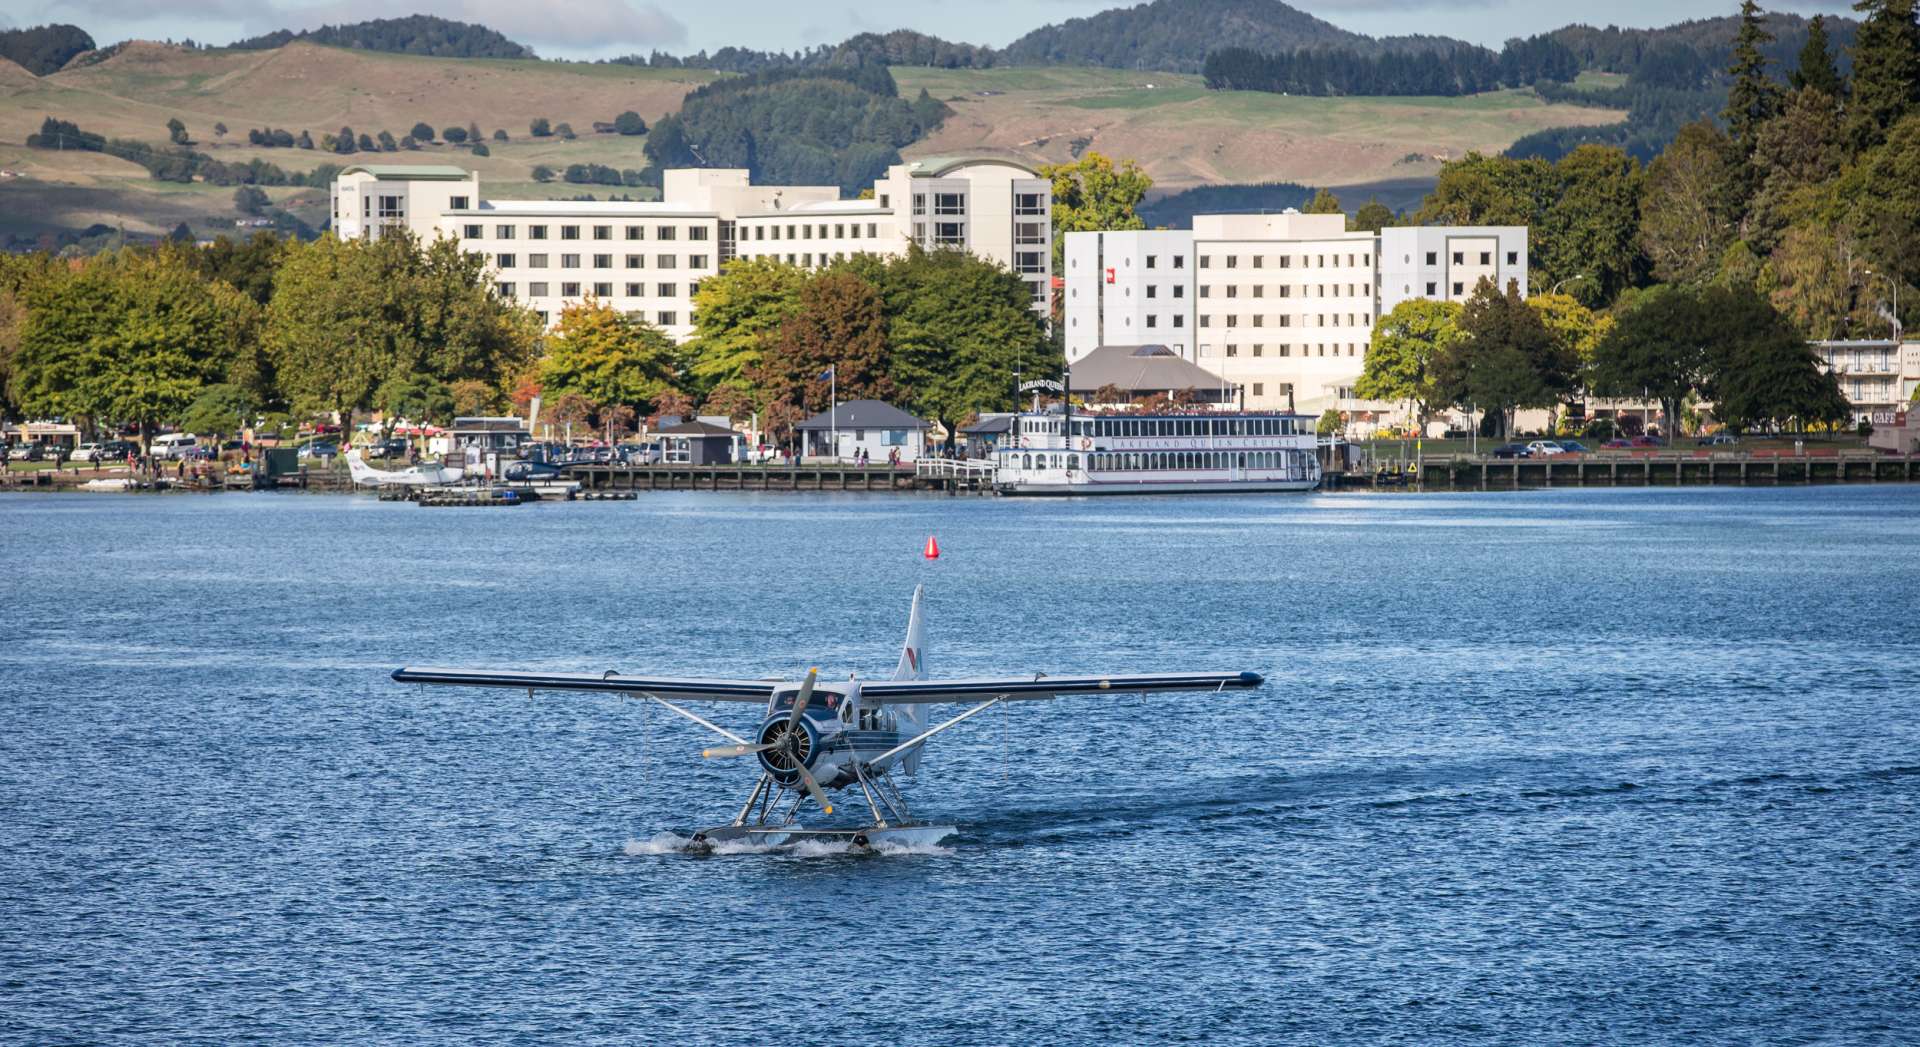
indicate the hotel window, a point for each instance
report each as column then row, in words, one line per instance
column 807, row 259
column 693, row 288
column 603, row 290
column 1286, row 261
column 759, row 232
column 1259, row 389
column 503, row 232
column 1259, row 349
column 603, row 261
column 1151, row 259
column 806, row 232
column 696, row 232
column 456, row 203
column 1233, row 291
column 1029, row 203
column 1259, row 320
column 1432, row 289
column 839, row 231
column 666, row 290
column 1206, row 261
column 696, row 261
column 537, row 289
column 1486, row 258
column 1513, row 258
column 636, row 232
column 1233, row 350
column 1259, row 260
column 668, row 317
column 1179, row 261
column 949, row 234
column 1152, row 321
column 1036, row 262
column 1458, row 287
column 665, row 261
column 1286, row 321
column 505, row 289
column 636, row 290
column 603, row 232
column 569, row 289
column 665, row 232
column 471, row 232
column 636, row 261
column 569, row 261
column 1284, row 290
column 1179, row 291
column 1233, row 321
column 919, row 203
column 1259, row 290
column 1459, row 257
column 1286, row 350
column 391, row 207
column 504, row 261
column 1206, row 291
column 949, row 203
column 1152, row 291
column 1433, row 258
column 1179, row 321
column 1233, row 261
column 538, row 261
column 569, row 232
column 873, row 231
column 1206, row 321
column 536, row 232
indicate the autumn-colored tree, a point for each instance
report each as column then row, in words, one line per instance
column 839, row 326
column 607, row 357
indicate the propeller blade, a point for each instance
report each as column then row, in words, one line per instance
column 800, row 702
column 734, row 750
column 819, row 797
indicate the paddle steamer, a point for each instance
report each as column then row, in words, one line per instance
column 1202, row 451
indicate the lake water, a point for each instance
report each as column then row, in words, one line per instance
column 1586, row 766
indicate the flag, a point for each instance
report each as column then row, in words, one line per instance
column 824, row 375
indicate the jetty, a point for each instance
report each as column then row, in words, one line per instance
column 1655, row 469
column 932, row 474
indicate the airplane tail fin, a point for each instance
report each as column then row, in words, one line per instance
column 913, row 666
column 361, row 471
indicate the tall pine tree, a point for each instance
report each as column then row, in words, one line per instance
column 1752, row 98
column 1817, row 70
column 1886, row 70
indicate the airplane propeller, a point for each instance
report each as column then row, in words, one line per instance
column 786, row 743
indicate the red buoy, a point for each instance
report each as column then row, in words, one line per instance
column 933, row 548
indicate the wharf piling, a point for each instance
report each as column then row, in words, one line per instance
column 1671, row 469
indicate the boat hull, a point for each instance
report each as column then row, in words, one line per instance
column 1026, row 488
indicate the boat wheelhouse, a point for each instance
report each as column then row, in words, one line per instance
column 1055, row 452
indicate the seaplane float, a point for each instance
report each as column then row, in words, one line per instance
column 817, row 737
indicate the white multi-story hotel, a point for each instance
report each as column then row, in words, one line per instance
column 649, row 258
column 1280, row 305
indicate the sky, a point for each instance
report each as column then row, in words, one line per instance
column 605, row 28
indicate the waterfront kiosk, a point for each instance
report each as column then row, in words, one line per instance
column 487, row 442
column 696, row 443
column 863, row 425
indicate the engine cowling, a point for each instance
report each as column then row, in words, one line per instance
column 779, row 761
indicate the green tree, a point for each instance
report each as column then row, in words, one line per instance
column 1798, row 156
column 454, row 135
column 1657, row 349
column 1764, row 372
column 1399, row 366
column 1686, row 206
column 1815, row 280
column 1592, row 228
column 960, row 327
column 1816, row 71
column 344, row 141
column 1576, row 329
column 221, row 409
column 219, row 130
column 1373, row 216
column 422, row 132
column 1504, row 359
column 416, row 397
column 539, row 128
column 1324, row 202
column 251, row 200
column 473, row 132
column 542, row 173
column 737, row 316
column 327, row 330
column 1092, row 194
column 387, row 144
column 132, row 337
column 1886, row 70
column 1752, row 98
column 564, row 130
column 607, row 357
column 177, row 132
column 1878, row 199
column 629, row 123
column 1330, row 423
column 1492, row 190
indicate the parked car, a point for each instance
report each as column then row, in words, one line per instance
column 1617, row 443
column 88, row 452
column 174, row 445
column 114, row 450
column 319, row 449
column 1512, row 451
column 392, row 447
column 1544, row 449
column 1574, row 447
column 1648, row 441
column 640, row 454
column 28, row 453
column 1718, row 440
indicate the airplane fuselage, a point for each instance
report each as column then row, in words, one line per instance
column 836, row 731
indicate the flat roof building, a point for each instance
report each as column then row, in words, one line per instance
column 648, row 258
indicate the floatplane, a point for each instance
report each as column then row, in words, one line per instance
column 365, row 475
column 816, row 737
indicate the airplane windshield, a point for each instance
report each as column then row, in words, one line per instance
column 825, row 705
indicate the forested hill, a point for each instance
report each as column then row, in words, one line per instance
column 1617, row 50
column 412, row 35
column 44, row 49
column 1176, row 35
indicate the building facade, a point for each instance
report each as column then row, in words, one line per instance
column 1877, row 376
column 647, row 259
column 1280, row 305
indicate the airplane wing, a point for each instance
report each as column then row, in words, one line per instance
column 1028, row 688
column 691, row 689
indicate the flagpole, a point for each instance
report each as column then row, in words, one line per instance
column 833, row 415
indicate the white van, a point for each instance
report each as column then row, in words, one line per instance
column 174, row 445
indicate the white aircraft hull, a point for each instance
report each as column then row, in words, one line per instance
column 854, row 838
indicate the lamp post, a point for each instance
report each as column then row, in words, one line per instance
column 1895, row 284
column 1555, row 289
